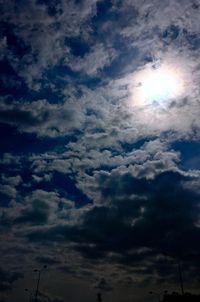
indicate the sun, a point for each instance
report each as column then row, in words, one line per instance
column 157, row 84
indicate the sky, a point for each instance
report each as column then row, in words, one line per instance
column 99, row 156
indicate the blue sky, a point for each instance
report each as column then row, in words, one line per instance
column 96, row 183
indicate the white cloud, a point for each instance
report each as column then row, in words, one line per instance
column 119, row 145
column 98, row 57
column 12, row 180
column 8, row 190
column 40, row 30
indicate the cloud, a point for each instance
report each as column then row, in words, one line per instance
column 3, row 298
column 12, row 180
column 43, row 29
column 8, row 190
column 38, row 179
column 47, row 260
column 142, row 219
column 42, row 297
column 9, row 184
column 95, row 60
column 103, row 285
column 8, row 278
column 95, row 183
column 40, row 208
column 10, row 159
column 42, row 117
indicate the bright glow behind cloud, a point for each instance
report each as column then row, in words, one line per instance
column 157, row 84
column 160, row 85
column 162, row 95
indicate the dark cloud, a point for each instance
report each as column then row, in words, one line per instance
column 103, row 285
column 41, row 117
column 162, row 221
column 7, row 279
column 37, row 214
column 43, row 297
column 47, row 260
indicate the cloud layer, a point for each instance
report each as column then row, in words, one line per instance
column 96, row 184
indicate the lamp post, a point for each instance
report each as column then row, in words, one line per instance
column 179, row 269
column 99, row 298
column 29, row 293
column 158, row 294
column 180, row 276
column 39, row 271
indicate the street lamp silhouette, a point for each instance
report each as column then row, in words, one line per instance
column 179, row 269
column 158, row 294
column 99, row 298
column 29, row 293
column 180, row 275
column 39, row 271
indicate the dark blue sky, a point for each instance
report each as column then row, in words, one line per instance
column 96, row 182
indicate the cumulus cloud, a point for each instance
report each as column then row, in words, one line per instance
column 42, row 29
column 8, row 185
column 40, row 208
column 134, row 206
column 93, row 181
column 98, row 58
